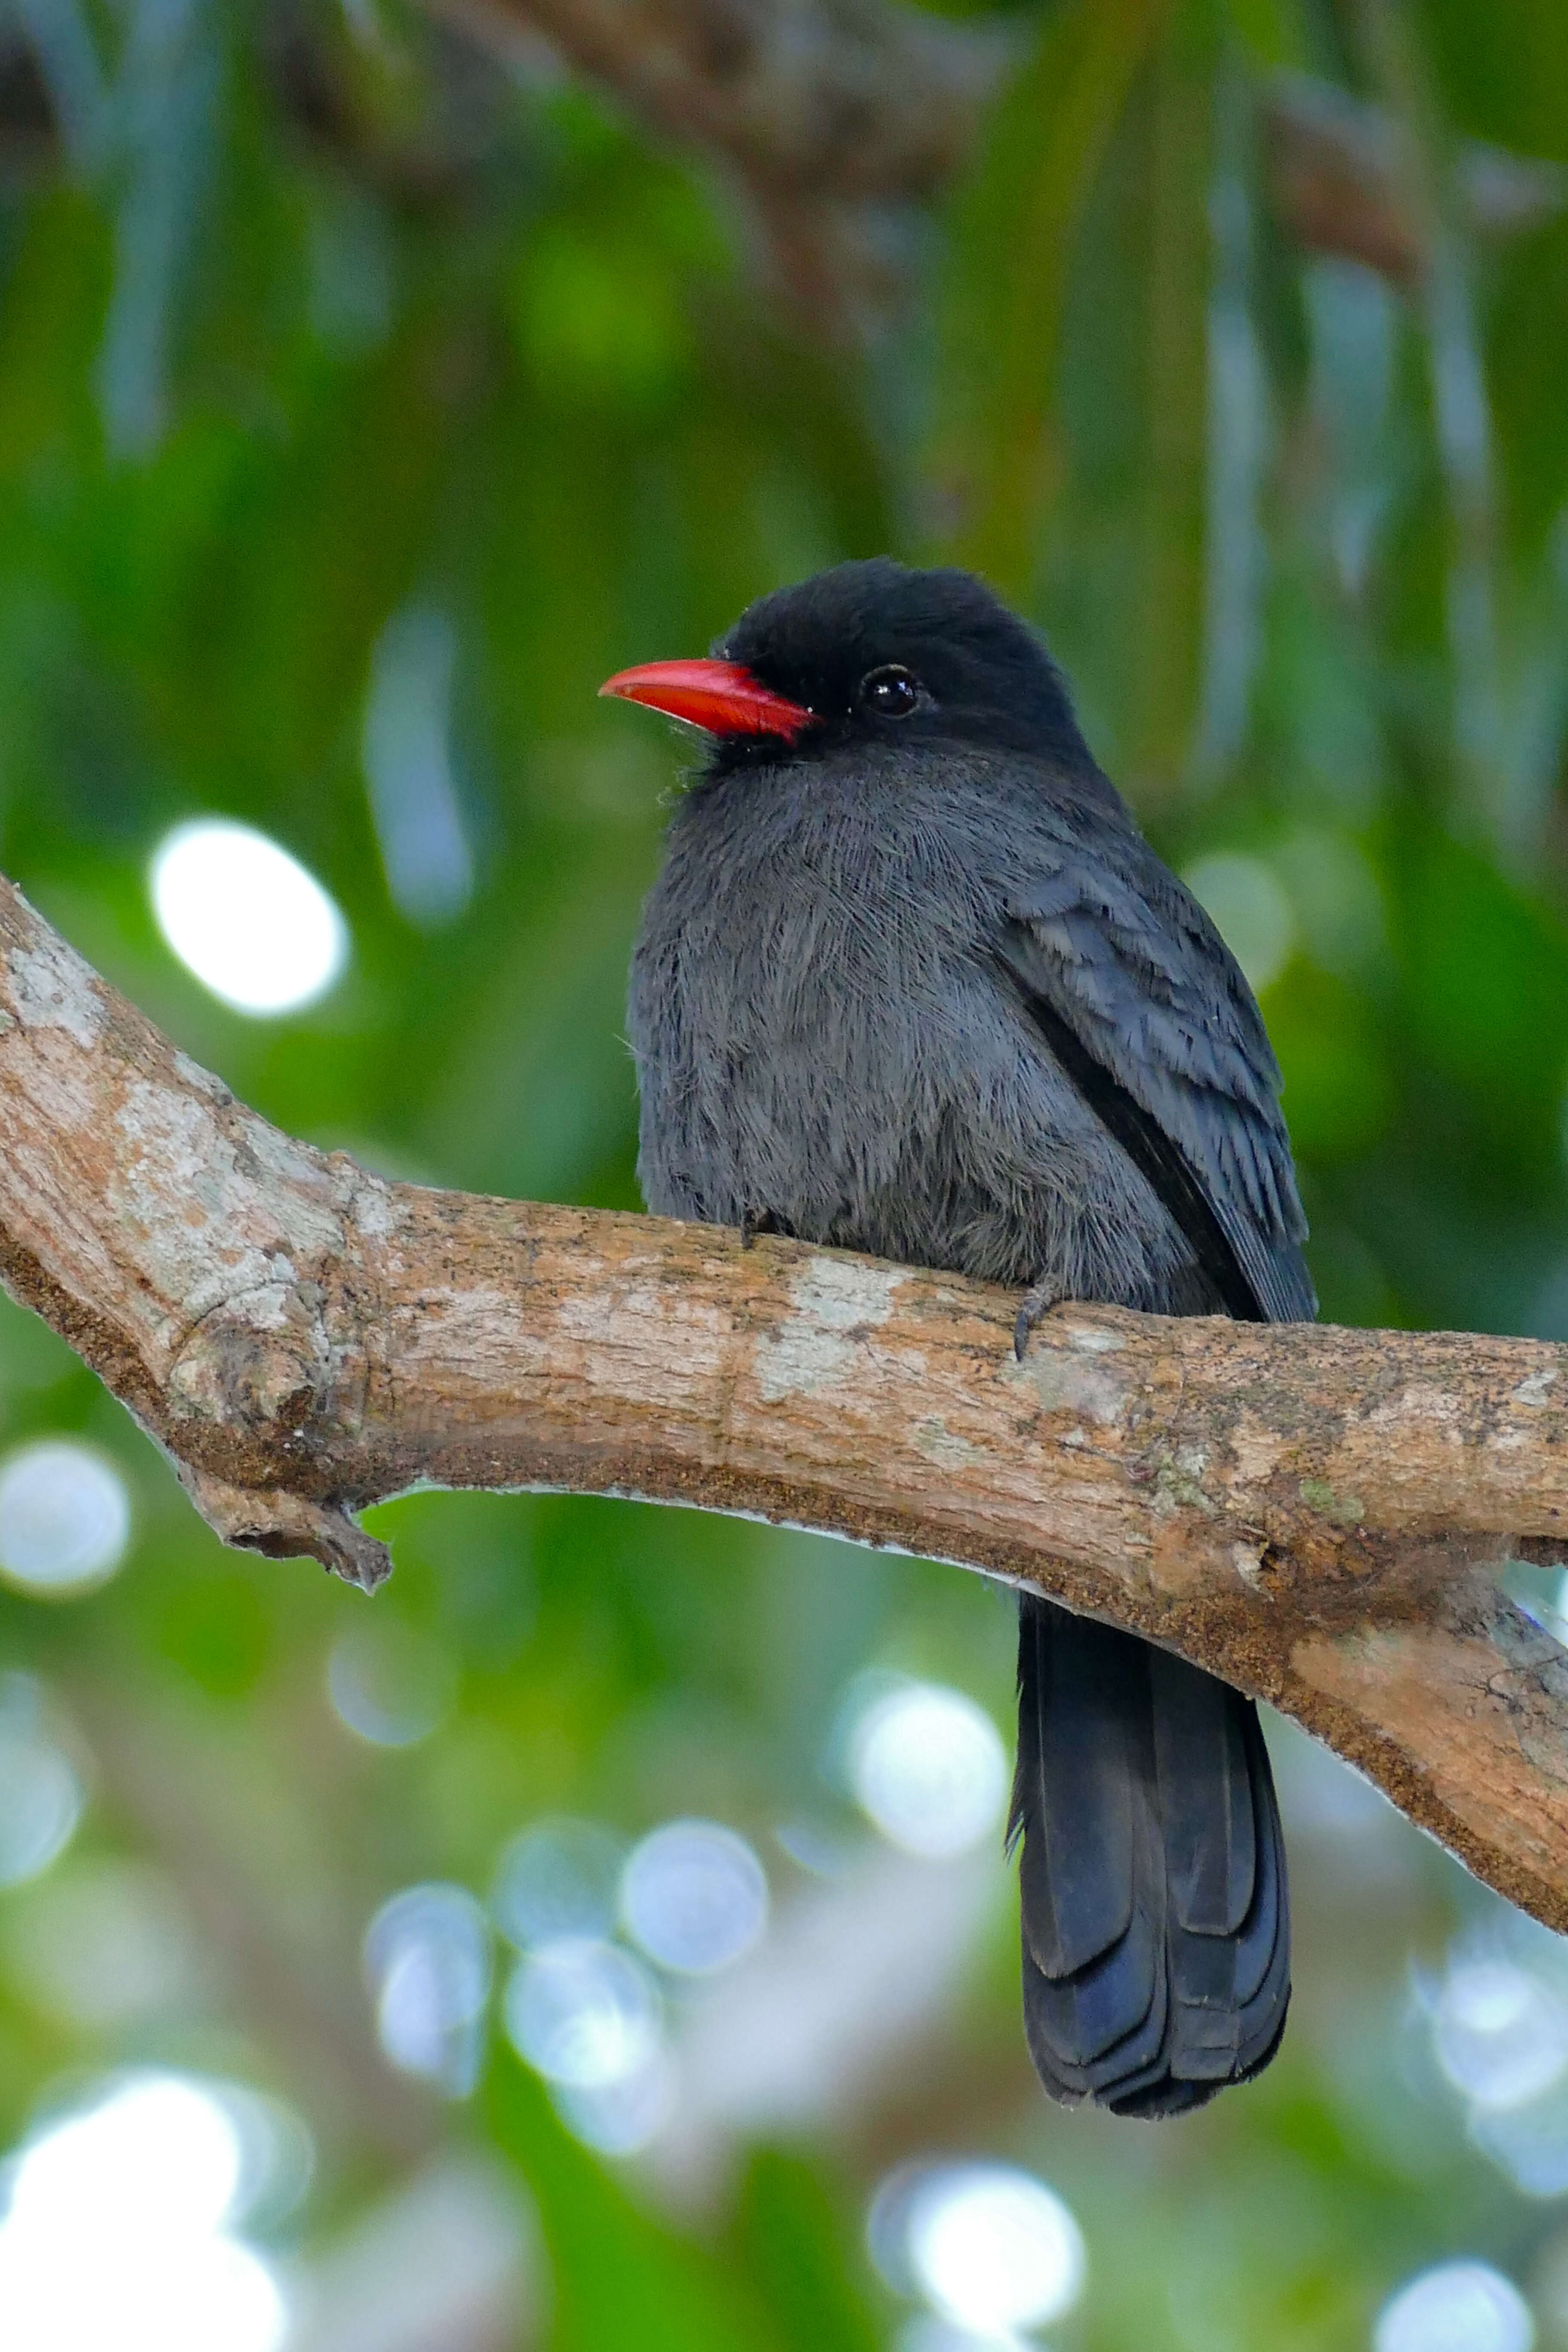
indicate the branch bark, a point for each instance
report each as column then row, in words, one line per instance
column 831, row 116
column 1334, row 164
column 856, row 98
column 835, row 116
column 1315, row 1514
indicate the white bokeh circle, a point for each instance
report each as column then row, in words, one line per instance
column 257, row 930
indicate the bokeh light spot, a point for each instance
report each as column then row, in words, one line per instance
column 583, row 2013
column 65, row 1517
column 103, row 1944
column 1500, row 2036
column 257, row 930
column 621, row 2117
column 928, row 1765
column 427, row 1957
column 694, row 1896
column 557, row 1880
column 388, row 1685
column 116, row 2232
column 1250, row 909
column 40, row 1795
column 1458, row 2307
column 406, row 747
column 992, row 2249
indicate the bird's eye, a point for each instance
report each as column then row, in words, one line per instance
column 889, row 693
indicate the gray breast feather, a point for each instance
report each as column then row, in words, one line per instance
column 826, row 1016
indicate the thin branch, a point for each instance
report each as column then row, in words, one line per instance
column 1312, row 1512
column 855, row 98
column 831, row 118
column 835, row 116
column 1334, row 164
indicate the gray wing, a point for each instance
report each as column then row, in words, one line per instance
column 1145, row 1008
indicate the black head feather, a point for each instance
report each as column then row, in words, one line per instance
column 982, row 677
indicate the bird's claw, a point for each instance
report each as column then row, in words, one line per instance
column 1036, row 1304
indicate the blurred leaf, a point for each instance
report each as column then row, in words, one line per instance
column 1173, row 583
column 1272, row 32
column 1504, row 70
column 600, row 324
column 802, row 2257
column 1339, row 1098
column 1043, row 150
column 1489, row 973
column 618, row 2278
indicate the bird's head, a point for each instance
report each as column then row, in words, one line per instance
column 870, row 653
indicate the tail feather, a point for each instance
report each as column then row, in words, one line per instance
column 1155, row 1924
column 1087, row 2017
column 1263, row 1957
column 1210, row 1835
column 1076, row 1867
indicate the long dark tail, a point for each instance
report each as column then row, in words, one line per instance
column 1156, row 1924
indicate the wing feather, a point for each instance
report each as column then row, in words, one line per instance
column 1143, row 1003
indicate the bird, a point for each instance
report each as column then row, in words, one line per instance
column 910, row 981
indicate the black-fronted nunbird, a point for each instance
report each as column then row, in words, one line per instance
column 912, row 982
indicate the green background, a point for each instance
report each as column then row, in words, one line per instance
column 1299, row 537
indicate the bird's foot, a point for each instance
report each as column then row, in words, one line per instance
column 1036, row 1303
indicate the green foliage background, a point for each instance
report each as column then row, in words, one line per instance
column 1301, row 538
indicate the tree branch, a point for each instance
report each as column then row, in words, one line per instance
column 835, row 116
column 859, row 99
column 831, row 116
column 1332, row 162
column 1312, row 1512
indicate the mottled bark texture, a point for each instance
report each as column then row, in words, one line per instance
column 1315, row 1514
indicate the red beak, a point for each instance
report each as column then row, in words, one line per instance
column 720, row 696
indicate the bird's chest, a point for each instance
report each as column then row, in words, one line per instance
column 811, row 1004
column 826, row 1038
column 825, row 966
